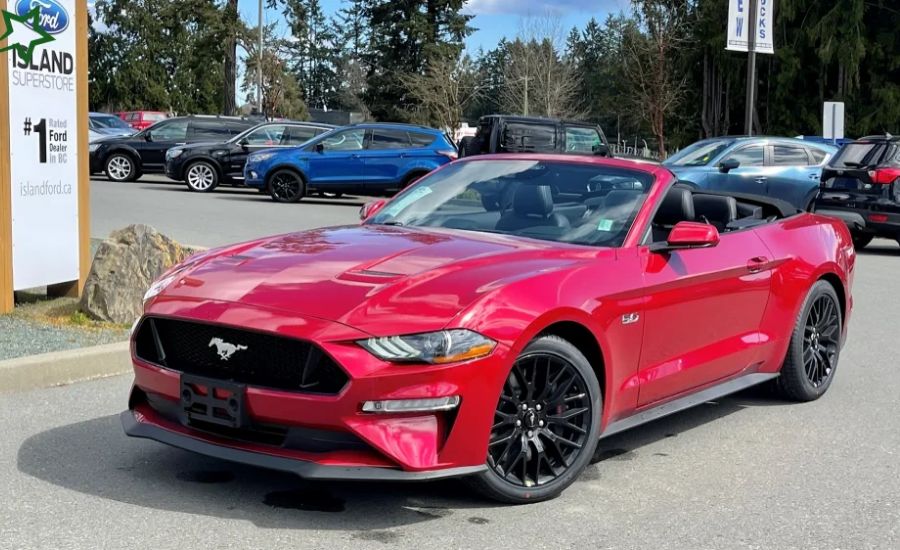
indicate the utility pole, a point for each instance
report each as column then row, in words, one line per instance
column 751, row 68
column 259, row 69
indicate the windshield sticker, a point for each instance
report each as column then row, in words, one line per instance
column 605, row 225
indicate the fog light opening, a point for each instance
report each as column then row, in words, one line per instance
column 412, row 405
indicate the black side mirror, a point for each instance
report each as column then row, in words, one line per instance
column 728, row 165
column 320, row 147
column 148, row 136
column 601, row 150
column 244, row 143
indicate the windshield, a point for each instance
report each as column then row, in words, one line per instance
column 860, row 154
column 245, row 133
column 110, row 121
column 550, row 200
column 698, row 154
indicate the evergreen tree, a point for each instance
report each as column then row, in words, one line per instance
column 158, row 54
column 405, row 36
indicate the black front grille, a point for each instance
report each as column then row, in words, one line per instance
column 242, row 356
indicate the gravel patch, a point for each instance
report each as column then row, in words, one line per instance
column 20, row 337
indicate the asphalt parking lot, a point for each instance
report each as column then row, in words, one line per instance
column 228, row 215
column 744, row 472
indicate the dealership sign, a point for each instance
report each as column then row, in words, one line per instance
column 53, row 16
column 41, row 233
column 739, row 23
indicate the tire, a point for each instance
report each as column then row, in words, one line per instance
column 471, row 147
column 120, row 167
column 861, row 240
column 815, row 346
column 463, row 146
column 285, row 185
column 201, row 176
column 549, row 451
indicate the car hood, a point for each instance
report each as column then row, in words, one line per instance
column 116, row 132
column 695, row 174
column 378, row 279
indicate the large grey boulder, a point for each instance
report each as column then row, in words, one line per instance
column 125, row 266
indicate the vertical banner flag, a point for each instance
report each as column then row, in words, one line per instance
column 43, row 142
column 739, row 26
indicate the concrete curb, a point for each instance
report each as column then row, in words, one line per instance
column 64, row 367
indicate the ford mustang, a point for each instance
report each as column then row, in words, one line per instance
column 493, row 321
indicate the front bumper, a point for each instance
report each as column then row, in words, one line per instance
column 96, row 162
column 390, row 446
column 136, row 424
column 175, row 169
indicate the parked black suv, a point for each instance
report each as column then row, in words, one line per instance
column 861, row 185
column 127, row 158
column 203, row 166
column 522, row 134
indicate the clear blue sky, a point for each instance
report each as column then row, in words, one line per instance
column 494, row 19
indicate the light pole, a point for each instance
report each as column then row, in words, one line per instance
column 259, row 71
column 751, row 70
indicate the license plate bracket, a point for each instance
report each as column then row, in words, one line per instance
column 213, row 401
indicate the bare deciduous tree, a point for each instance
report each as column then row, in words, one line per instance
column 446, row 89
column 538, row 79
column 657, row 86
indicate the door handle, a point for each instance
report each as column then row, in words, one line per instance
column 757, row 264
column 761, row 179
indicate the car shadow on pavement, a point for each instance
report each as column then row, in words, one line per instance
column 95, row 457
column 881, row 250
column 625, row 445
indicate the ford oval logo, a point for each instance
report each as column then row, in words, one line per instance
column 53, row 16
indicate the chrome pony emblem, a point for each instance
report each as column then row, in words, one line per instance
column 225, row 349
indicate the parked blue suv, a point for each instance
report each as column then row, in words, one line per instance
column 782, row 168
column 364, row 158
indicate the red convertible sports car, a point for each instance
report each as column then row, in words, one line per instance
column 493, row 321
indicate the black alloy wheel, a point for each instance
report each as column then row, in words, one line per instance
column 821, row 340
column 286, row 186
column 815, row 346
column 545, row 425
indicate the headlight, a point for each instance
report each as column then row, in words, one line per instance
column 446, row 346
column 259, row 157
column 159, row 285
column 170, row 276
column 93, row 147
column 174, row 153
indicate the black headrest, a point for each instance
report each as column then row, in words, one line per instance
column 533, row 200
column 715, row 208
column 677, row 206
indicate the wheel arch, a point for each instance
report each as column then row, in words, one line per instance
column 202, row 158
column 582, row 338
column 416, row 171
column 124, row 150
column 271, row 171
column 838, row 285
